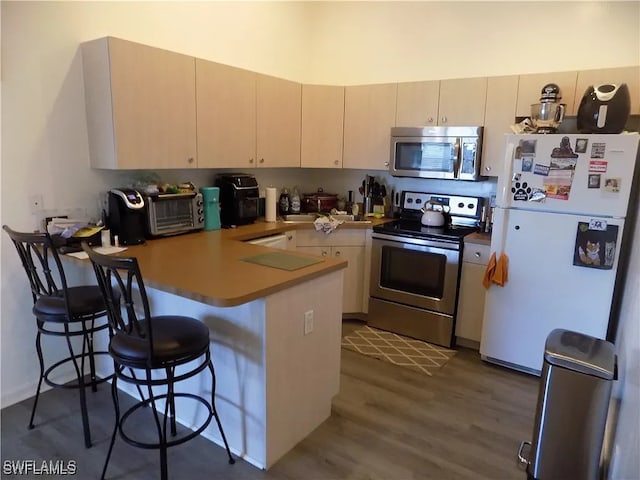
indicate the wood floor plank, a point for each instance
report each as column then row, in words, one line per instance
column 387, row 423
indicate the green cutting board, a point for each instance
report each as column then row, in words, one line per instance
column 282, row 260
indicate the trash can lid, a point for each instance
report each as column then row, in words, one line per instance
column 581, row 353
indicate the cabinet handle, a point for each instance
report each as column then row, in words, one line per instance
column 338, row 253
column 262, row 160
column 477, row 254
column 336, row 162
column 324, row 253
column 289, row 237
column 190, row 160
column 251, row 160
column 443, row 119
column 430, row 120
column 488, row 169
column 386, row 164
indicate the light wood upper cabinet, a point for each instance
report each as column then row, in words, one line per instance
column 369, row 114
column 417, row 104
column 141, row 106
column 502, row 95
column 462, row 101
column 530, row 88
column 226, row 116
column 279, row 111
column 628, row 75
column 322, row 126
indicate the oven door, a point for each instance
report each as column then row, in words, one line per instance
column 421, row 273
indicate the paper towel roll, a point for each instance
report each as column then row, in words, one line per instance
column 270, row 204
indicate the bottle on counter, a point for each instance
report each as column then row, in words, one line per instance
column 295, row 201
column 284, row 202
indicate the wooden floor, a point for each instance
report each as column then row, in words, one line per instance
column 388, row 422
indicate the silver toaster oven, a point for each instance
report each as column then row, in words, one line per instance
column 174, row 213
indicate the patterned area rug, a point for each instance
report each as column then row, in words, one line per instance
column 390, row 347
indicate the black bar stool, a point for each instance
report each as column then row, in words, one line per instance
column 64, row 312
column 155, row 346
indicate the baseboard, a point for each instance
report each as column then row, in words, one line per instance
column 27, row 391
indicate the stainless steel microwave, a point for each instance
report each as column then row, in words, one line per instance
column 436, row 152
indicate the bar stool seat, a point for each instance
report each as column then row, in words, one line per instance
column 83, row 301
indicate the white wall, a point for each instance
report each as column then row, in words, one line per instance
column 44, row 138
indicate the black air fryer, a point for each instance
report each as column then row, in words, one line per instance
column 604, row 109
column 127, row 215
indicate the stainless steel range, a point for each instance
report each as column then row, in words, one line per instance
column 416, row 269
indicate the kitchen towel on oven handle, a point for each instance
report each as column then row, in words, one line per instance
column 497, row 271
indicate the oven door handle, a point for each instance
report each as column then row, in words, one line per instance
column 423, row 242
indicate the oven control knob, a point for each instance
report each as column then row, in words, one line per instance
column 461, row 205
column 418, row 201
column 409, row 200
column 471, row 206
column 200, row 219
column 200, row 211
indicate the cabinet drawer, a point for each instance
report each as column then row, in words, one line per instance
column 476, row 253
column 349, row 237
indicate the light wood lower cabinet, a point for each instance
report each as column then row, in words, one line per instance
column 348, row 245
column 472, row 294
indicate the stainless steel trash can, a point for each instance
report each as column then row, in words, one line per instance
column 573, row 400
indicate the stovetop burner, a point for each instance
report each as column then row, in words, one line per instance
column 415, row 229
column 464, row 212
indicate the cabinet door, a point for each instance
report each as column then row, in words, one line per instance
column 226, row 113
column 502, row 94
column 279, row 109
column 471, row 302
column 353, row 285
column 462, row 101
column 628, row 75
column 530, row 87
column 369, row 114
column 417, row 104
column 140, row 106
column 322, row 126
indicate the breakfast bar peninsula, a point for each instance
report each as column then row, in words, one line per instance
column 275, row 333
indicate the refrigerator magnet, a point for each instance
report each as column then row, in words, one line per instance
column 612, row 185
column 595, row 247
column 597, row 150
column 581, row 145
column 527, row 164
column 598, row 166
column 594, row 180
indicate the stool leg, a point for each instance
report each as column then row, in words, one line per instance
column 171, row 399
column 116, row 405
column 162, row 432
column 41, row 362
column 92, row 360
column 80, row 377
column 215, row 412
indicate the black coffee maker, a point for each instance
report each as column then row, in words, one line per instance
column 127, row 215
column 238, row 199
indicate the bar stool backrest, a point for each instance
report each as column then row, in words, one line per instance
column 119, row 279
column 41, row 263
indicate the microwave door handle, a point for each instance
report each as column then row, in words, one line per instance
column 458, row 163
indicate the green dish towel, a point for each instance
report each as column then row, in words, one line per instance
column 281, row 260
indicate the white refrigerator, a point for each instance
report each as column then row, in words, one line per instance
column 561, row 203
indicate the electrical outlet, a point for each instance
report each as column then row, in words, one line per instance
column 36, row 203
column 308, row 322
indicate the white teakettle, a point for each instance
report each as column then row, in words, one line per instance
column 432, row 217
